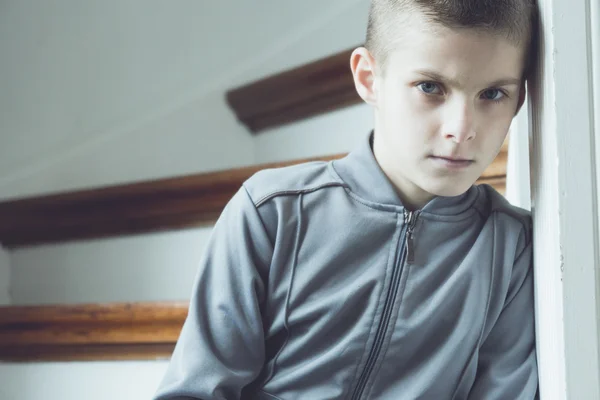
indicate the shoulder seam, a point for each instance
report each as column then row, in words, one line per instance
column 255, row 208
column 277, row 193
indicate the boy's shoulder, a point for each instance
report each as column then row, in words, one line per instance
column 300, row 178
column 499, row 204
column 315, row 175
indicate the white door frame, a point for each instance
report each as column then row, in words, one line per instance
column 565, row 155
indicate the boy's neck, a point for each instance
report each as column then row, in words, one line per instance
column 412, row 197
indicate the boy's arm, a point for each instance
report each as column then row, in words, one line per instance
column 507, row 367
column 221, row 346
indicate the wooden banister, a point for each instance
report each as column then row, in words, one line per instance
column 172, row 203
column 159, row 205
column 312, row 89
column 123, row 331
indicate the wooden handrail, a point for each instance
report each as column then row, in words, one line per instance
column 312, row 89
column 172, row 203
column 121, row 331
column 159, row 205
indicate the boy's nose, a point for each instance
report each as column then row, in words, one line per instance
column 459, row 123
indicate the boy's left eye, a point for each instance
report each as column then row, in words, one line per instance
column 493, row 94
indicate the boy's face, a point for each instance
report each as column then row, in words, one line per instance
column 443, row 105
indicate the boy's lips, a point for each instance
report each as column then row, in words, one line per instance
column 454, row 163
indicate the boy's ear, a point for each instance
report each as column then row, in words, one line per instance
column 362, row 64
column 522, row 94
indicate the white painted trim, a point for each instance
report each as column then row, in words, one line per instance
column 518, row 190
column 595, row 49
column 565, row 205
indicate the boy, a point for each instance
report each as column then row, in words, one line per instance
column 386, row 274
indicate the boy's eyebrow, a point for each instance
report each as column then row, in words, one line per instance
column 437, row 77
column 506, row 82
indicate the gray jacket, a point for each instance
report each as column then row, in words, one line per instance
column 318, row 284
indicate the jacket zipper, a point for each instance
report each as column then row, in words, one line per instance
column 411, row 220
column 406, row 254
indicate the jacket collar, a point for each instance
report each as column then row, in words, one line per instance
column 362, row 174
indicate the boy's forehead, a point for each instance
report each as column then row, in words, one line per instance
column 459, row 53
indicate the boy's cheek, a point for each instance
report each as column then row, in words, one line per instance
column 410, row 107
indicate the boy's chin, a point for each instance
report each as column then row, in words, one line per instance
column 451, row 190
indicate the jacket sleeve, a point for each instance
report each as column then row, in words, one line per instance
column 221, row 346
column 507, row 367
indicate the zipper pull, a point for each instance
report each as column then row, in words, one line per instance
column 411, row 220
column 409, row 216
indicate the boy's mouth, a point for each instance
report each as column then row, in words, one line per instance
column 451, row 162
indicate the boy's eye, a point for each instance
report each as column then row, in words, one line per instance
column 429, row 88
column 493, row 94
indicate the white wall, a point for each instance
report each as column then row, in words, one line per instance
column 151, row 267
column 80, row 380
column 337, row 132
column 138, row 86
column 4, row 277
column 98, row 93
